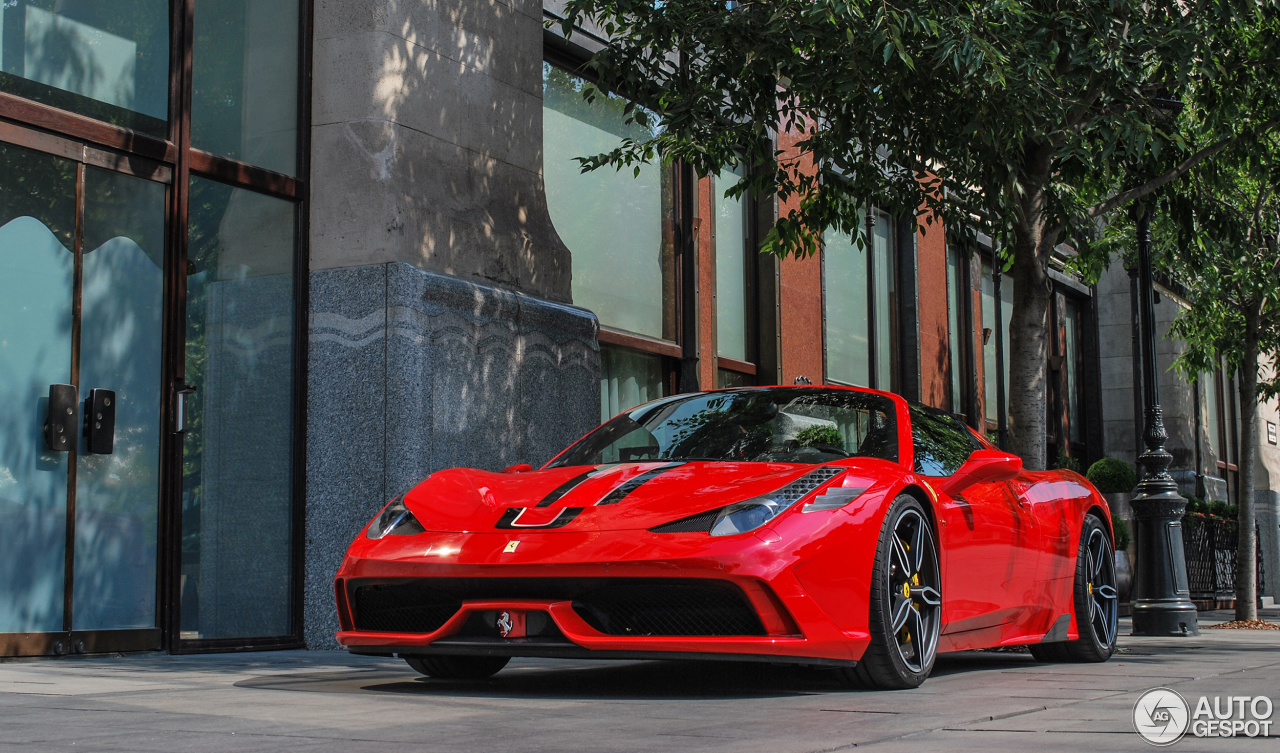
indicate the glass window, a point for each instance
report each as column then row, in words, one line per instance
column 989, row 362
column 955, row 299
column 627, row 378
column 726, row 378
column 1006, row 318
column 1213, row 416
column 106, row 59
column 886, row 278
column 117, row 495
column 244, row 103
column 237, row 502
column 847, row 316
column 731, row 269
column 37, row 228
column 989, row 341
column 1071, row 346
column 618, row 224
column 777, row 424
column 941, row 443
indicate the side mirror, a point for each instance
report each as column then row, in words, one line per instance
column 983, row 466
column 518, row 468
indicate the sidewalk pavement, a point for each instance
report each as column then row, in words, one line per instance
column 329, row 701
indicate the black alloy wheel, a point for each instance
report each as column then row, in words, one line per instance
column 906, row 601
column 458, row 667
column 1096, row 600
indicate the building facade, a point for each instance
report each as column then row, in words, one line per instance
column 265, row 264
column 1203, row 419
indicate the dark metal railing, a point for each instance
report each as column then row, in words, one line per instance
column 1210, row 546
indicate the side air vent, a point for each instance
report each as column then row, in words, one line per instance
column 688, row 608
column 411, row 607
column 700, row 523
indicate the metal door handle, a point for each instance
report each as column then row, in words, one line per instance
column 100, row 422
column 180, row 407
column 60, row 420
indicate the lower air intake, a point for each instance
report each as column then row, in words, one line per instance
column 668, row 609
column 411, row 607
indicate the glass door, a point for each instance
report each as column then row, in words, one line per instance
column 82, row 257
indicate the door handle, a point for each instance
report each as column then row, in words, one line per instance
column 180, row 407
column 60, row 420
column 100, row 421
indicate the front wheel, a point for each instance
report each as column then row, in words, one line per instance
column 1096, row 600
column 906, row 602
column 458, row 667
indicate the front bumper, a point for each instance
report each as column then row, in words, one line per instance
column 795, row 627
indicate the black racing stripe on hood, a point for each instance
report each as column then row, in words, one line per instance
column 617, row 495
column 564, row 489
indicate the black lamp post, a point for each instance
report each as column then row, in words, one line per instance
column 1161, row 603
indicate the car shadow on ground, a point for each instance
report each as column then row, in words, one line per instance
column 628, row 680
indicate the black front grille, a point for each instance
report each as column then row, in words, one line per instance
column 406, row 607
column 668, row 609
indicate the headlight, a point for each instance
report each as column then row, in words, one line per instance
column 750, row 514
column 395, row 519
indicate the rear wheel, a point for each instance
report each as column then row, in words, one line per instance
column 906, row 602
column 1096, row 601
column 458, row 667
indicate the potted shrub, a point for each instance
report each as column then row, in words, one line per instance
column 1115, row 480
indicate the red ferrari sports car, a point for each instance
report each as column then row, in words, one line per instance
column 812, row 525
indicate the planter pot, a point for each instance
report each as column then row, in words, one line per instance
column 1124, row 576
column 1119, row 504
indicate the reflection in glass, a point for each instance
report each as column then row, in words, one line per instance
column 955, row 299
column 617, row 224
column 237, row 503
column 726, row 378
column 886, row 305
column 107, row 59
column 244, row 102
column 1071, row 347
column 847, row 314
column 37, row 219
column 1211, row 422
column 117, row 498
column 989, row 341
column 627, row 379
column 773, row 424
column 731, row 269
column 990, row 364
column 941, row 443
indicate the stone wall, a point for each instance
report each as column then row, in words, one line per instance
column 411, row 372
column 427, row 141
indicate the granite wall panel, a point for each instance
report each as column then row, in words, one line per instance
column 461, row 374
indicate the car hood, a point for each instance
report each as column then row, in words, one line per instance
column 620, row 496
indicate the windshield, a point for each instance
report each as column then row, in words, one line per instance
column 777, row 424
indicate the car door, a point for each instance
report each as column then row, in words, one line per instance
column 987, row 538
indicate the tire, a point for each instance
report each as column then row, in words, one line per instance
column 902, row 658
column 1095, row 600
column 458, row 667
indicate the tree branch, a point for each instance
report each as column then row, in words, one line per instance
column 1133, row 194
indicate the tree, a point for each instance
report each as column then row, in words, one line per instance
column 1015, row 118
column 1220, row 235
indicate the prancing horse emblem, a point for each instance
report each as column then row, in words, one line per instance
column 504, row 624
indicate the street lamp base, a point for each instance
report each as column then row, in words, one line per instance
column 1167, row 617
